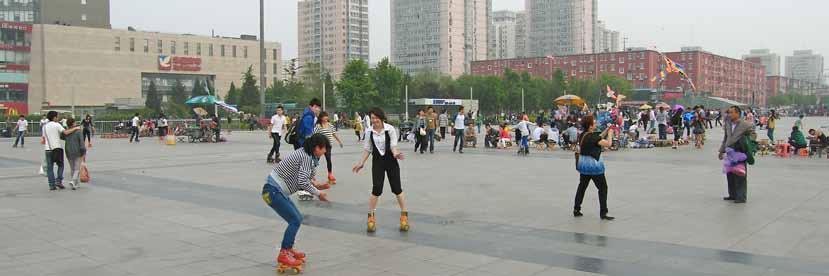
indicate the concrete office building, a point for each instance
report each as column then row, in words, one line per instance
column 502, row 37
column 332, row 33
column 93, row 68
column 805, row 65
column 561, row 27
column 768, row 59
column 442, row 36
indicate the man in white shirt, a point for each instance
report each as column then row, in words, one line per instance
column 53, row 146
column 134, row 128
column 278, row 122
column 460, row 122
column 22, row 127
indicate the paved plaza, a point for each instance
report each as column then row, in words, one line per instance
column 196, row 209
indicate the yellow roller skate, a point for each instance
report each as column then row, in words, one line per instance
column 404, row 221
column 372, row 223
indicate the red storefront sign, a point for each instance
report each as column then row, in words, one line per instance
column 15, row 86
column 173, row 63
column 15, row 48
column 12, row 66
column 16, row 26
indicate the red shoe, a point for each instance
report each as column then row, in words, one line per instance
column 286, row 259
column 298, row 255
column 331, row 179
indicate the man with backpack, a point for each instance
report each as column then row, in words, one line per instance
column 304, row 127
column 739, row 137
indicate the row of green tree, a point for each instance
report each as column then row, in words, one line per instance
column 361, row 88
column 794, row 98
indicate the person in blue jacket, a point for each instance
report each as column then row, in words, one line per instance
column 307, row 122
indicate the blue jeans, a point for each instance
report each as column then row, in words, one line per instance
column 50, row 162
column 771, row 135
column 20, row 135
column 285, row 208
column 525, row 142
column 430, row 137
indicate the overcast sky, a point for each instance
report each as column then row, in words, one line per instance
column 726, row 27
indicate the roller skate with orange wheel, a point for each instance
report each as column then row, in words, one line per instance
column 372, row 223
column 404, row 221
column 331, row 179
column 287, row 262
column 298, row 255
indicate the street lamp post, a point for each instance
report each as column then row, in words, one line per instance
column 262, row 58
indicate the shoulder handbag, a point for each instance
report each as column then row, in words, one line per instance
column 578, row 151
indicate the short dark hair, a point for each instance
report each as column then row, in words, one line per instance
column 319, row 117
column 461, row 108
column 811, row 131
column 315, row 141
column 736, row 108
column 794, row 128
column 430, row 107
column 51, row 115
column 280, row 107
column 587, row 122
column 315, row 102
column 22, row 116
column 70, row 122
column 136, row 113
column 376, row 111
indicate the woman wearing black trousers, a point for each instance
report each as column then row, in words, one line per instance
column 591, row 166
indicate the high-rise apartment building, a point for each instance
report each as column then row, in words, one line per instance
column 332, row 33
column 521, row 28
column 81, row 13
column 561, row 27
column 606, row 40
column 439, row 35
column 768, row 59
column 805, row 65
column 502, row 36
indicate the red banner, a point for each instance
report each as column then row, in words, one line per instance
column 15, row 48
column 12, row 66
column 189, row 64
column 15, row 86
column 16, row 26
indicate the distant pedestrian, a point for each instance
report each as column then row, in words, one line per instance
column 459, row 125
column 135, row 128
column 327, row 129
column 420, row 132
column 431, row 127
column 75, row 152
column 771, row 124
column 698, row 124
column 443, row 123
column 88, row 129
column 163, row 125
column 275, row 132
column 676, row 123
column 22, row 128
column 662, row 123
column 358, row 127
column 53, row 146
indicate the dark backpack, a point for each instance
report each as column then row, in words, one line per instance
column 293, row 132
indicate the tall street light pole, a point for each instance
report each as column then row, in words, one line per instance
column 262, row 58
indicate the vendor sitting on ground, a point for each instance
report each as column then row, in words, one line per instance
column 819, row 136
column 505, row 139
column 539, row 135
column 553, row 135
column 491, row 137
column 469, row 135
column 797, row 140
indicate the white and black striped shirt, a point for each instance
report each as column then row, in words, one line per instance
column 327, row 131
column 297, row 170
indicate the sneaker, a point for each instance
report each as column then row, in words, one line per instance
column 72, row 185
column 52, row 188
column 60, row 186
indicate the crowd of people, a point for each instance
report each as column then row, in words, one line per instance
column 314, row 133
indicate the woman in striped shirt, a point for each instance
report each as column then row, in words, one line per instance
column 325, row 127
column 293, row 174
